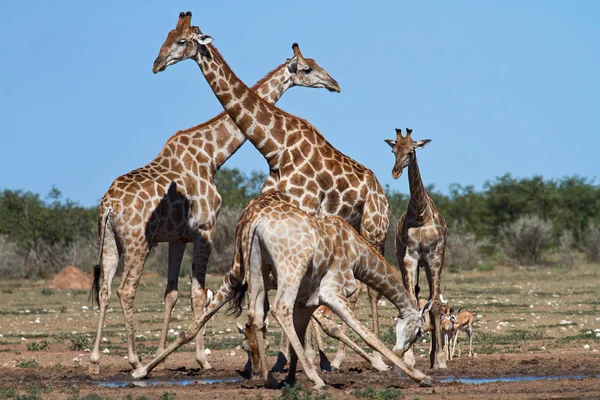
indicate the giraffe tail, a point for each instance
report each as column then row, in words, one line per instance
column 245, row 248
column 94, row 294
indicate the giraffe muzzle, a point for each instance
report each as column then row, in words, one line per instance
column 159, row 65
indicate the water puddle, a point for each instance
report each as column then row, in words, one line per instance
column 479, row 381
column 171, row 382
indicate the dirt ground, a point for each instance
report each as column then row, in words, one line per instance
column 528, row 322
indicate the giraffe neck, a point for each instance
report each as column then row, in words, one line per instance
column 252, row 116
column 419, row 199
column 372, row 269
column 270, row 89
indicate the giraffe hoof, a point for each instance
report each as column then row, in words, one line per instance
column 140, row 373
column 94, row 369
column 380, row 366
column 427, row 382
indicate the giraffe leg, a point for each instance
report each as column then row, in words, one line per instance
column 324, row 363
column 176, row 251
column 409, row 278
column 202, row 248
column 283, row 355
column 437, row 357
column 256, row 317
column 294, row 321
column 226, row 292
column 340, row 306
column 283, row 312
column 331, row 329
column 374, row 228
column 340, row 355
column 110, row 263
column 374, row 297
column 308, row 343
column 132, row 272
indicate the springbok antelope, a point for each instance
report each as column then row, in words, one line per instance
column 462, row 322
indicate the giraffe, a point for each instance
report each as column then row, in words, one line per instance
column 420, row 240
column 318, row 178
column 316, row 261
column 174, row 199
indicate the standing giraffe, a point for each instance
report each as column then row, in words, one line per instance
column 420, row 240
column 316, row 261
column 174, row 199
column 318, row 178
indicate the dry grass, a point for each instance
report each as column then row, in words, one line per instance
column 516, row 310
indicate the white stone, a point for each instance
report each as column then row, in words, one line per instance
column 232, row 353
column 207, row 352
column 171, row 330
column 106, row 351
column 178, row 326
column 588, row 333
column 85, row 308
column 227, row 330
column 586, row 346
column 105, row 340
column 23, row 338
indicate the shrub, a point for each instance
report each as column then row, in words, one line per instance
column 591, row 242
column 11, row 260
column 462, row 249
column 37, row 346
column 79, row 343
column 524, row 240
column 566, row 249
column 33, row 363
column 371, row 393
column 224, row 243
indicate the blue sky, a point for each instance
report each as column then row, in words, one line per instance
column 500, row 87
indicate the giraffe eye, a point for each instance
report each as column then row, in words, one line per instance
column 182, row 42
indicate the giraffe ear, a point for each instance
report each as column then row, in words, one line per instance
column 391, row 142
column 204, row 39
column 419, row 144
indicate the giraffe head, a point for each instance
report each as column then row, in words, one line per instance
column 183, row 42
column 306, row 72
column 404, row 148
column 186, row 41
column 409, row 327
